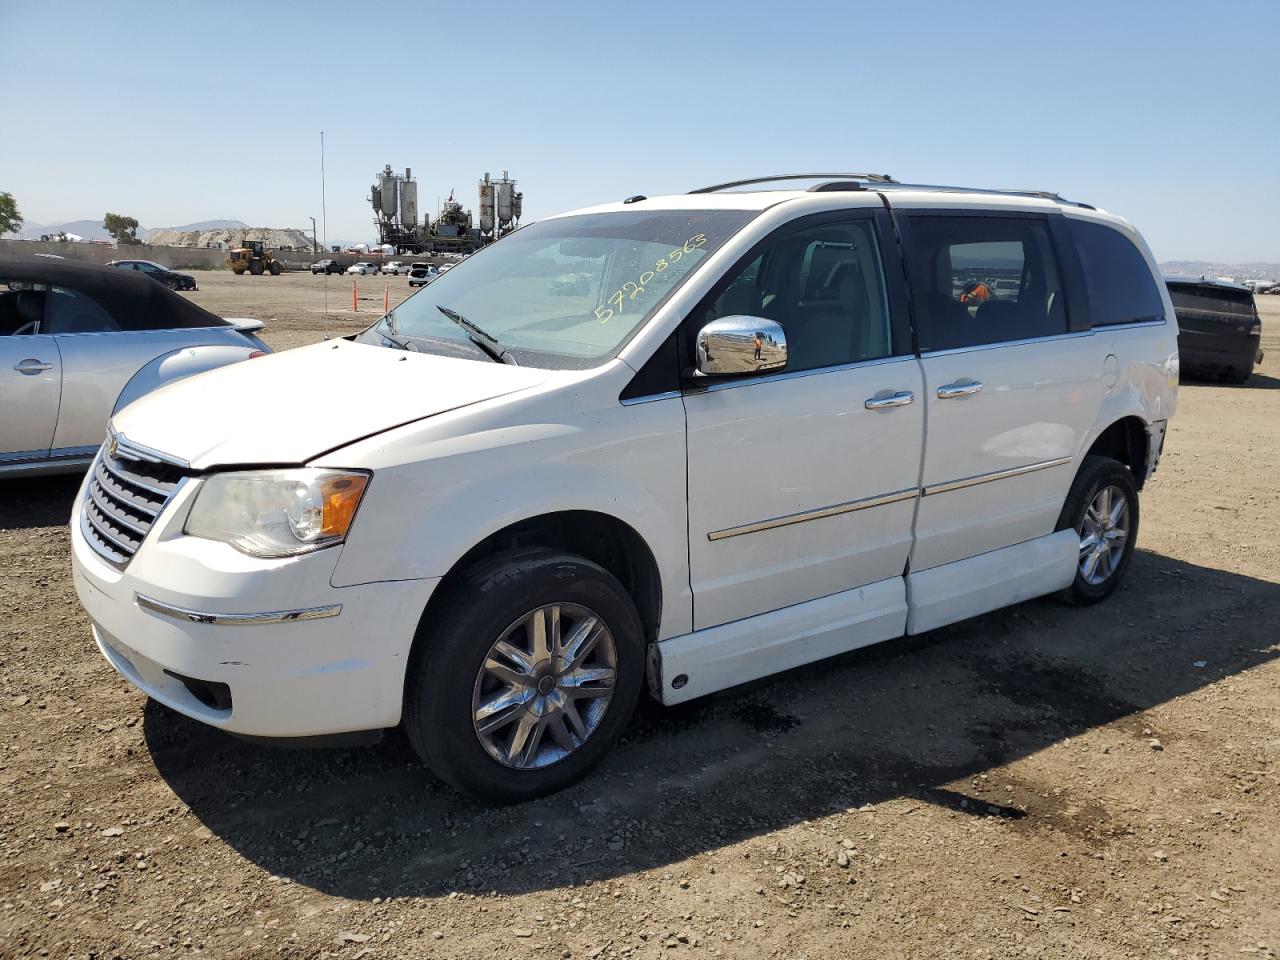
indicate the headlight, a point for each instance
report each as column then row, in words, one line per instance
column 277, row 513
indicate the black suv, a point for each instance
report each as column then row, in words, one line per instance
column 1219, row 332
column 158, row 272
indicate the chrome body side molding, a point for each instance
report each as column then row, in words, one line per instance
column 994, row 475
column 835, row 509
column 152, row 605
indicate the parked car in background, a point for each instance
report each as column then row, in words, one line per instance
column 420, row 274
column 509, row 506
column 156, row 271
column 327, row 266
column 1219, row 330
column 363, row 268
column 395, row 268
column 79, row 342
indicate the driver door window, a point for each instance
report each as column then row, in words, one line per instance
column 68, row 311
column 824, row 285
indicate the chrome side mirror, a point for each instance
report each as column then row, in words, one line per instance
column 732, row 346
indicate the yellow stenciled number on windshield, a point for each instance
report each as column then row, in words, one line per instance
column 634, row 288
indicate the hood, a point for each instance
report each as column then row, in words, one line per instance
column 290, row 407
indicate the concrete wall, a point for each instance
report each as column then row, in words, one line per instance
column 180, row 258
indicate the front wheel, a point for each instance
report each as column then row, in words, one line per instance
column 1102, row 507
column 524, row 676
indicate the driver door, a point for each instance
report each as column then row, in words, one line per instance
column 30, row 386
column 797, row 488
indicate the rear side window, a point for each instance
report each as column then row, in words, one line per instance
column 1211, row 302
column 980, row 280
column 1121, row 287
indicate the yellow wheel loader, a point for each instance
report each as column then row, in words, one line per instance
column 253, row 256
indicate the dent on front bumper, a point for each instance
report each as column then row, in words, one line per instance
column 297, row 657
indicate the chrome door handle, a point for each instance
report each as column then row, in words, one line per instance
column 32, row 365
column 953, row 390
column 899, row 399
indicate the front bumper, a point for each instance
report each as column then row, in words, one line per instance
column 213, row 633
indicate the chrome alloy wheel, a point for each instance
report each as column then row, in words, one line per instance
column 544, row 686
column 1103, row 534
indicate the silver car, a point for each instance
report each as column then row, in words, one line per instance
column 78, row 342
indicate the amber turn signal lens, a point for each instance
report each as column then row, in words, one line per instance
column 341, row 496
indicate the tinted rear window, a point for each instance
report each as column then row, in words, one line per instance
column 1121, row 287
column 1211, row 300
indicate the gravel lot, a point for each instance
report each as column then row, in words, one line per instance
column 1041, row 781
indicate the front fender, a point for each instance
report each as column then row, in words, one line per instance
column 184, row 362
column 447, row 495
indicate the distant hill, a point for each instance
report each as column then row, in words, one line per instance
column 276, row 239
column 1208, row 268
column 202, row 225
column 92, row 229
column 89, row 229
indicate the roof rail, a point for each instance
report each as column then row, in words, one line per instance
column 1040, row 194
column 868, row 177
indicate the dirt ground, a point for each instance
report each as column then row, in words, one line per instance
column 1041, row 781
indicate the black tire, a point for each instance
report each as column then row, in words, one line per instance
column 255, row 268
column 276, row 269
column 450, row 648
column 1242, row 375
column 1097, row 473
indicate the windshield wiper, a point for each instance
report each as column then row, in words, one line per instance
column 401, row 343
column 487, row 342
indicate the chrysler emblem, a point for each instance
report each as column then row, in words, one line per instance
column 113, row 446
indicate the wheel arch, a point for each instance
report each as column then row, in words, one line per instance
column 1126, row 440
column 599, row 537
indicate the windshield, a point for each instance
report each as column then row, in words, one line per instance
column 563, row 293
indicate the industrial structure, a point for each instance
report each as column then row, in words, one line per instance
column 395, row 208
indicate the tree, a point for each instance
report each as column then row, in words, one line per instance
column 122, row 229
column 10, row 218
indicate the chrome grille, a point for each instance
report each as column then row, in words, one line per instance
column 128, row 488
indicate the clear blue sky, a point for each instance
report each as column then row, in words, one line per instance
column 1167, row 113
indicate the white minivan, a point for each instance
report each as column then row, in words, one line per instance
column 769, row 426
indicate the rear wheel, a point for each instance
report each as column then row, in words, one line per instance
column 1102, row 508
column 255, row 267
column 276, row 269
column 525, row 675
column 1237, row 375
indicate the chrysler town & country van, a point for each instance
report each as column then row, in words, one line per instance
column 678, row 442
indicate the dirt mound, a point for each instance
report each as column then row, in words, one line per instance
column 275, row 239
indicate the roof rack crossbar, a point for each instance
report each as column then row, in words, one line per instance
column 869, row 177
